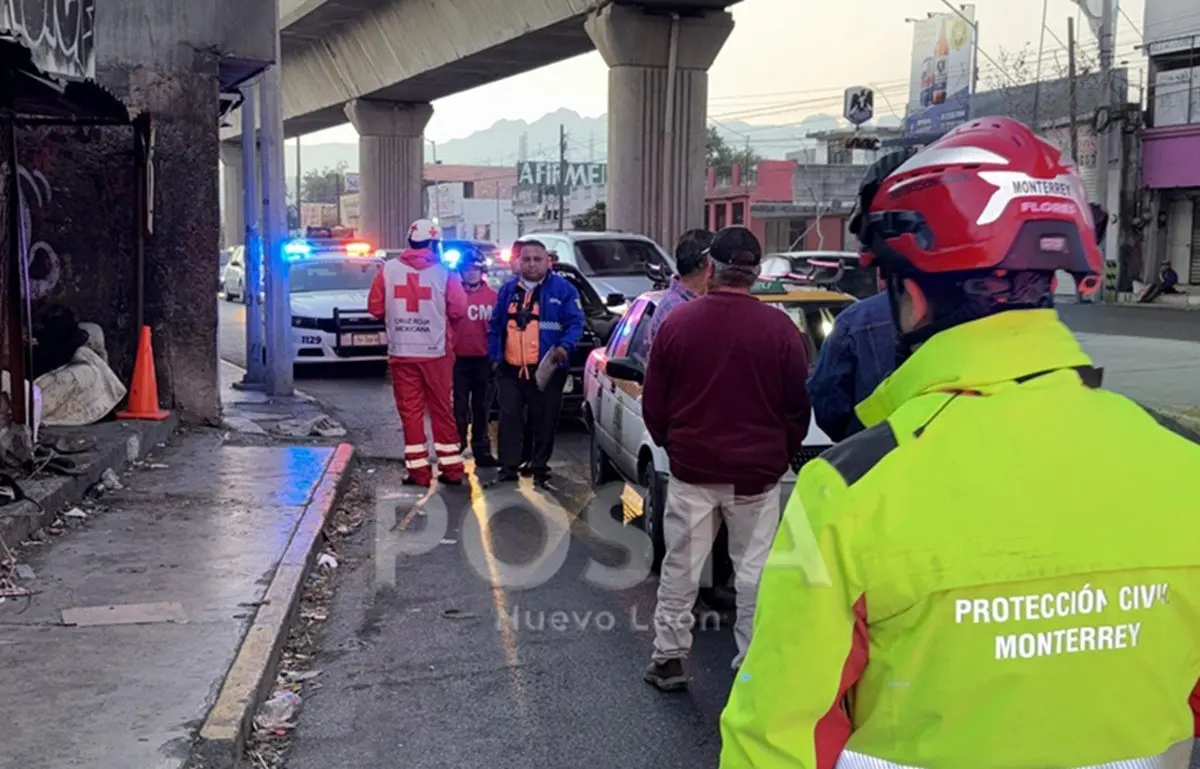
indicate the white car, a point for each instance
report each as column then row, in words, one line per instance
column 330, row 322
column 621, row 448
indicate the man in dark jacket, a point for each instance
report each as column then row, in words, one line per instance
column 855, row 358
column 538, row 316
column 724, row 396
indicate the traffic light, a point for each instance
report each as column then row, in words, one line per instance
column 861, row 143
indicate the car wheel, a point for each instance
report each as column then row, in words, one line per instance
column 653, row 511
column 602, row 470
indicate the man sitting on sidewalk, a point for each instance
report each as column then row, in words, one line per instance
column 1167, row 283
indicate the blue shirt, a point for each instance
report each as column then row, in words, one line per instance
column 677, row 295
column 855, row 359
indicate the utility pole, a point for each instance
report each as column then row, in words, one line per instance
column 562, row 176
column 1037, row 86
column 255, row 376
column 1103, row 145
column 1072, row 94
column 274, row 185
column 299, row 178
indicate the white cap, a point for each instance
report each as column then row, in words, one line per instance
column 423, row 230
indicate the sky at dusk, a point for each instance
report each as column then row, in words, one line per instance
column 787, row 59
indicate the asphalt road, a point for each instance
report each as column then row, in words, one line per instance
column 425, row 664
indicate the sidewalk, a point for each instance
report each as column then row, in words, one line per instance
column 160, row 609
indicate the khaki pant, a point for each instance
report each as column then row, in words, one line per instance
column 690, row 523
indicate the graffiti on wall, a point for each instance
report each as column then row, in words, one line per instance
column 42, row 264
column 59, row 33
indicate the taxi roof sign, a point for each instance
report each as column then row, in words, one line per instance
column 768, row 286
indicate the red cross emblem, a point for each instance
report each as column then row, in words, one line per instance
column 432, row 231
column 412, row 292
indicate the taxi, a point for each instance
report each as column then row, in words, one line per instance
column 621, row 448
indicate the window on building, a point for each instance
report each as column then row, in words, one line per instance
column 721, row 214
column 739, row 213
column 796, row 230
column 468, row 190
column 707, row 216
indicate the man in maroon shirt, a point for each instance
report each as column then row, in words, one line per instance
column 724, row 395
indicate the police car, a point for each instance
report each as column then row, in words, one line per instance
column 330, row 280
column 621, row 448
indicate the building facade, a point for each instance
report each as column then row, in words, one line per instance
column 732, row 193
column 1171, row 140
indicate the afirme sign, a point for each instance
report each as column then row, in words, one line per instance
column 545, row 174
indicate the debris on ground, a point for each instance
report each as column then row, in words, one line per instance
column 321, row 426
column 75, row 513
column 110, row 480
column 267, row 748
column 275, row 715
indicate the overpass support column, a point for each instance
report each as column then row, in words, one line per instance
column 656, row 128
column 391, row 167
column 233, row 222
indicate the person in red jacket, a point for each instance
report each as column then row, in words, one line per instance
column 422, row 300
column 472, row 367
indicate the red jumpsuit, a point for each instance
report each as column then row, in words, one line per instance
column 421, row 301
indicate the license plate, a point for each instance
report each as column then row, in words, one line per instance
column 363, row 340
column 569, row 387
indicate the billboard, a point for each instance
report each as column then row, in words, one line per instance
column 536, row 173
column 942, row 75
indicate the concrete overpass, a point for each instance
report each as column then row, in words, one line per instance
column 380, row 64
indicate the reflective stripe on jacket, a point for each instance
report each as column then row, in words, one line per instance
column 1002, row 570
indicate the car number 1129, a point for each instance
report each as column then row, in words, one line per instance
column 310, row 340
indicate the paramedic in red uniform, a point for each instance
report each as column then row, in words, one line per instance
column 472, row 367
column 422, row 300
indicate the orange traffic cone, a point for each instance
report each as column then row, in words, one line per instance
column 143, row 391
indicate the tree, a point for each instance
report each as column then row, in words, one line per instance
column 595, row 219
column 1013, row 77
column 324, row 185
column 719, row 153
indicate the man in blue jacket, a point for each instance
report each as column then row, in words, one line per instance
column 538, row 315
column 858, row 355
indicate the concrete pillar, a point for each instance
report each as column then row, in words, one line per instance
column 636, row 48
column 234, row 220
column 391, row 167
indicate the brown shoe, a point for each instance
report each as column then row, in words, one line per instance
column 666, row 676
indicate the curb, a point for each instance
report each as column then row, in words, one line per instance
column 251, row 677
column 62, row 491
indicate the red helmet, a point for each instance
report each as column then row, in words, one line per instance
column 989, row 195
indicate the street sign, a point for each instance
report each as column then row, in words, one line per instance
column 859, row 104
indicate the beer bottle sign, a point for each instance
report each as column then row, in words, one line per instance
column 941, row 67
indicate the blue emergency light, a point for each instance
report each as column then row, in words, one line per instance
column 451, row 258
column 297, row 249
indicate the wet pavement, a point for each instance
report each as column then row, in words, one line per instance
column 424, row 664
column 198, row 532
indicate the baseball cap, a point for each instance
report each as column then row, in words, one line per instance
column 736, row 246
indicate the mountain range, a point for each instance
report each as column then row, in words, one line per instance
column 506, row 141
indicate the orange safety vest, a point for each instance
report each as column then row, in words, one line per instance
column 523, row 330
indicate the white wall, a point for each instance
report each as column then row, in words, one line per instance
column 446, row 202
column 1166, row 20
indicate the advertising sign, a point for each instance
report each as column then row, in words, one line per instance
column 941, row 80
column 350, row 181
column 531, row 173
column 858, row 105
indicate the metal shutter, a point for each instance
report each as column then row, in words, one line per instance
column 1194, row 264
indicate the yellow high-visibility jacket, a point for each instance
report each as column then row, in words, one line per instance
column 1001, row 572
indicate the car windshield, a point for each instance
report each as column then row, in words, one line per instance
column 331, row 275
column 616, row 256
column 815, row 319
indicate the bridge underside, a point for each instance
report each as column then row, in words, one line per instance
column 337, row 51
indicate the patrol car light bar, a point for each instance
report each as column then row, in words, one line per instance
column 451, row 257
column 358, row 248
column 297, row 249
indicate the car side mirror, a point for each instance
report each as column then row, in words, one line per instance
column 615, row 300
column 626, row 369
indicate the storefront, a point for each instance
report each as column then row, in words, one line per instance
column 1171, row 172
